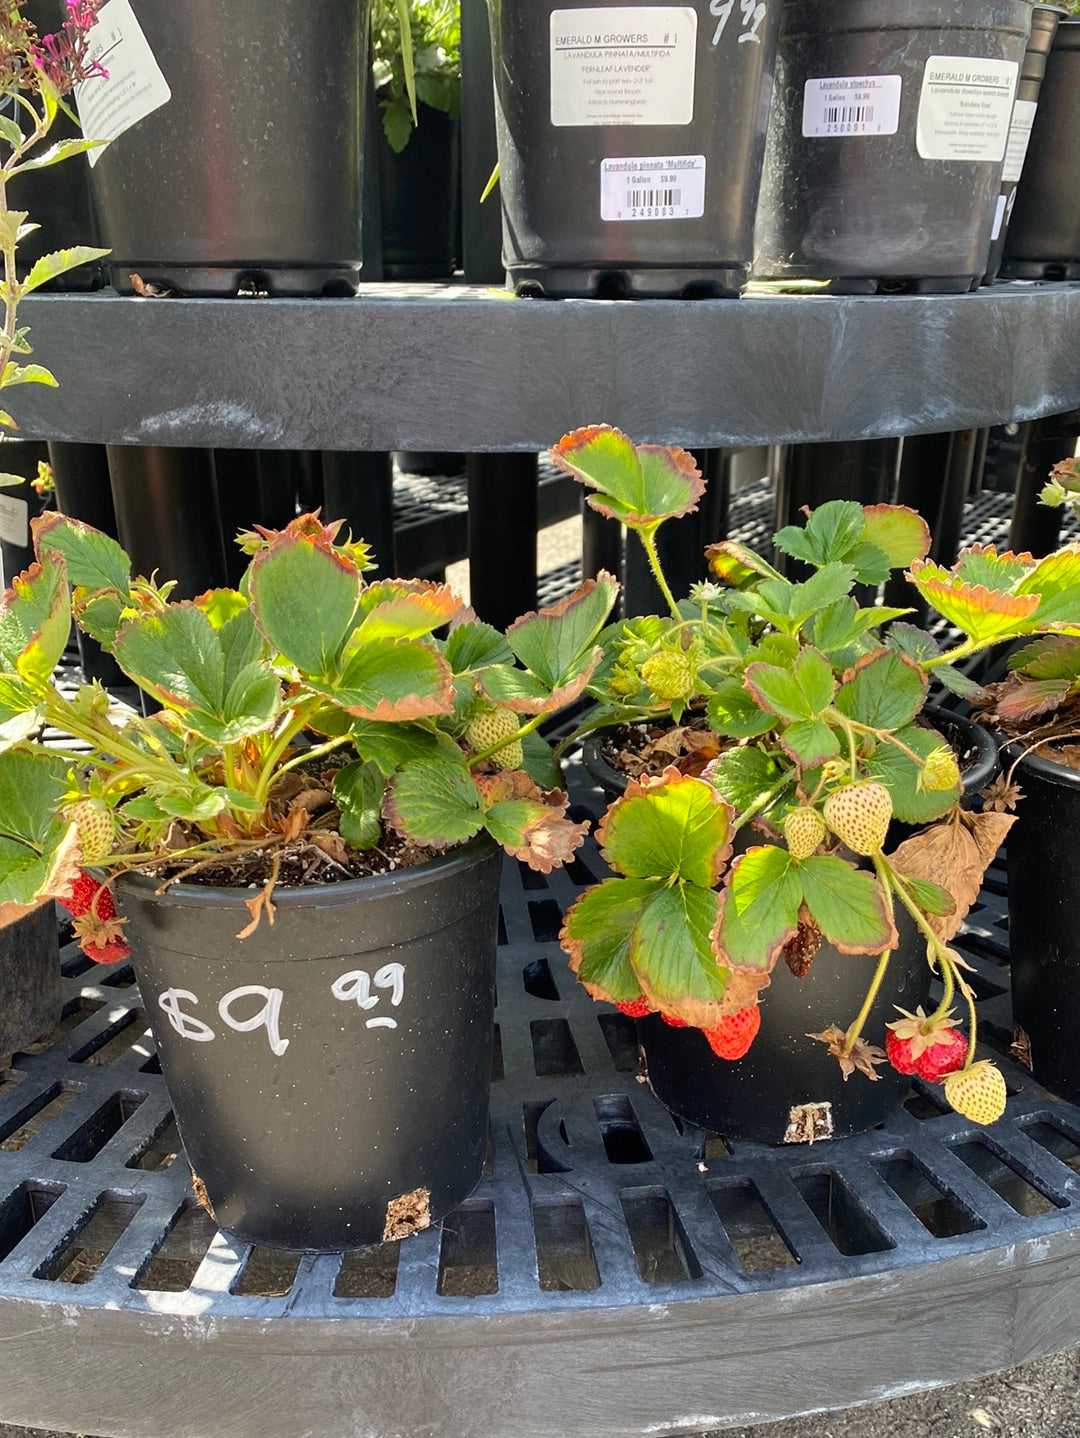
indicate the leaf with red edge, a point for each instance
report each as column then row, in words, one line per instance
column 734, row 564
column 393, row 679
column 434, row 800
column 848, row 905
column 596, row 935
column 305, row 598
column 35, row 621
column 985, row 614
column 640, row 485
column 522, row 692
column 672, row 826
column 901, row 532
column 402, row 613
column 1057, row 579
column 557, row 643
column 535, row 833
column 672, row 953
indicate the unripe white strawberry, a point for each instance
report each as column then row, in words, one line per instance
column 804, row 830
column 940, row 771
column 96, row 826
column 859, row 814
column 977, row 1092
column 487, row 727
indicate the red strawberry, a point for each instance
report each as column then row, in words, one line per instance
column 930, row 1047
column 86, row 894
column 674, row 1022
column 634, row 1008
column 733, row 1035
column 108, row 953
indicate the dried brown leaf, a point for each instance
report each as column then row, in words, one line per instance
column 954, row 853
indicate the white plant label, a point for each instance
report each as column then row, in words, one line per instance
column 353, row 987
column 1001, row 211
column 1023, row 117
column 852, row 105
column 135, row 87
column 964, row 108
column 14, row 523
column 669, row 187
column 623, row 66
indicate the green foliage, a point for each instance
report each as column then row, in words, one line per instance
column 420, row 61
column 381, row 677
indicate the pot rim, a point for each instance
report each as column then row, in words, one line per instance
column 1048, row 769
column 346, row 891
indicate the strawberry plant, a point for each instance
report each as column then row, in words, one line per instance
column 312, row 724
column 812, row 703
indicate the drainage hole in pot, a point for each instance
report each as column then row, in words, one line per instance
column 22, row 1209
column 623, row 1140
column 760, row 1246
column 467, row 1261
column 1064, row 1146
column 268, row 1273
column 564, row 1252
column 177, row 1260
column 841, row 1215
column 555, row 1054
column 1000, row 1173
column 157, row 1152
column 661, row 1247
column 92, row 1136
column 368, row 1272
column 113, row 1040
column 620, row 1035
column 546, row 917
column 17, row 1131
column 537, row 977
column 940, row 1213
column 88, row 1248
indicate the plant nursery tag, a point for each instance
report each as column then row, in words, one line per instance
column 852, row 105
column 623, row 65
column 14, row 522
column 1023, row 117
column 135, row 87
column 671, row 187
column 965, row 108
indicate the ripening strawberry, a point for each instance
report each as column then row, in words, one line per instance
column 96, row 826
column 108, row 953
column 669, row 675
column 86, row 894
column 804, row 830
column 859, row 814
column 733, row 1035
column 487, row 727
column 977, row 1092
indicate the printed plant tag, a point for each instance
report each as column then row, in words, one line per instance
column 1023, row 117
column 623, row 66
column 135, row 87
column 670, row 187
column 852, row 105
column 14, row 522
column 964, row 108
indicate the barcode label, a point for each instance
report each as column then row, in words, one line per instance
column 653, row 187
column 852, row 105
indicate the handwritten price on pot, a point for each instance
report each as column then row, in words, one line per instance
column 352, row 987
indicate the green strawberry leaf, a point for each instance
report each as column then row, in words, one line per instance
column 885, row 690
column 801, row 693
column 539, row 762
column 899, row 531
column 930, row 897
column 810, row 742
column 35, row 621
column 677, row 828
column 557, row 643
column 759, row 908
column 94, row 560
column 900, row 775
column 597, row 934
column 984, row 614
column 830, row 533
column 742, row 775
column 434, row 800
column 400, row 609
column 637, row 484
column 392, row 679
column 848, row 905
column 671, row 948
column 358, row 792
column 831, row 583
column 733, row 712
column 305, row 596
column 389, row 746
column 473, row 645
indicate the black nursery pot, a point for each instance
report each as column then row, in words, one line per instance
column 1043, row 860
column 630, row 144
column 788, row 1088
column 887, row 139
column 249, row 173
column 329, row 1074
column 29, row 979
column 419, row 198
column 1043, row 240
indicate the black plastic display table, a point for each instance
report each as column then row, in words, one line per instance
column 454, row 367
